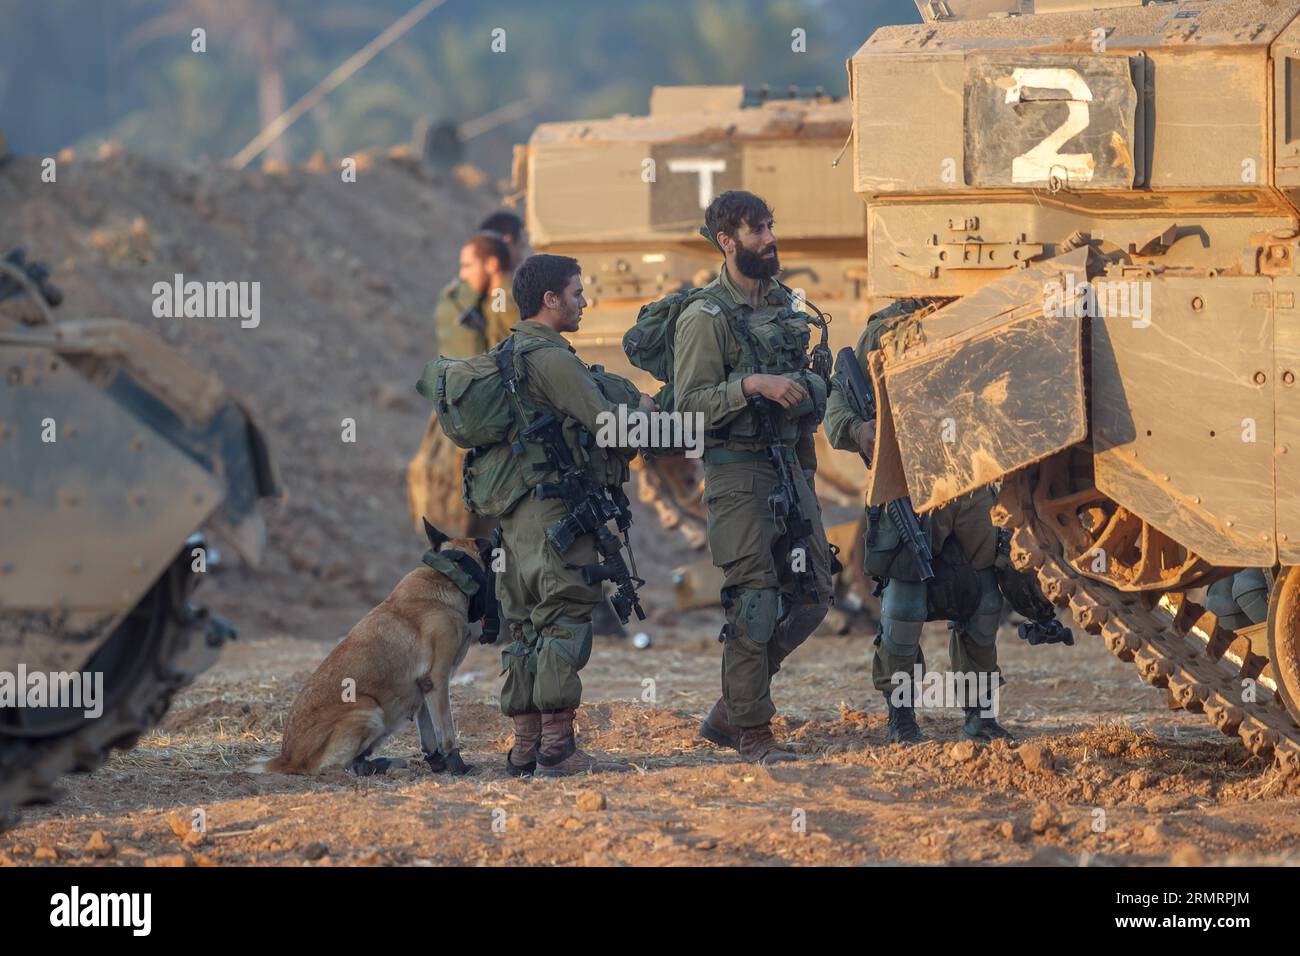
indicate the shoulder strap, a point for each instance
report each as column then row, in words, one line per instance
column 746, row 335
column 508, row 356
column 505, row 357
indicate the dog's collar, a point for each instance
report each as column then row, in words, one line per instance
column 464, row 572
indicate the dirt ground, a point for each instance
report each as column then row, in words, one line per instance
column 1124, row 780
column 348, row 277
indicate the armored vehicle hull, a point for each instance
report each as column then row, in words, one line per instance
column 1099, row 209
column 114, row 456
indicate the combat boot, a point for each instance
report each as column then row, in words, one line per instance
column 903, row 728
column 717, row 727
column 522, row 758
column 983, row 729
column 757, row 745
column 558, row 754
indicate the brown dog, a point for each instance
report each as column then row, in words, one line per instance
column 395, row 665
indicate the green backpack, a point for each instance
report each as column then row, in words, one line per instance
column 649, row 343
column 474, row 409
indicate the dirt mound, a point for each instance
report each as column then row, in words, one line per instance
column 348, row 275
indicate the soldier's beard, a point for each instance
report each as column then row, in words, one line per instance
column 756, row 266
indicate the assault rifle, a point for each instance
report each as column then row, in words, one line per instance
column 784, row 501
column 591, row 508
column 862, row 399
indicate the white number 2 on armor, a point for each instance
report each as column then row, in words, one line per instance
column 1043, row 162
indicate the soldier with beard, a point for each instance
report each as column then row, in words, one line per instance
column 737, row 340
column 474, row 313
column 476, row 309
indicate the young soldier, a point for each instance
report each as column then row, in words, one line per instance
column 543, row 594
column 904, row 606
column 736, row 341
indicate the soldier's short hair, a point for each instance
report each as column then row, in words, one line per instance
column 505, row 224
column 539, row 275
column 728, row 210
column 490, row 247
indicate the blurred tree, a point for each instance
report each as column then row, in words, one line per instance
column 260, row 29
column 74, row 71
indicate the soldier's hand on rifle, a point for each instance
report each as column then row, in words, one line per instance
column 785, row 392
column 647, row 404
column 867, row 438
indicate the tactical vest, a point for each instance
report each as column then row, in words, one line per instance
column 773, row 341
column 884, row 322
column 497, row 476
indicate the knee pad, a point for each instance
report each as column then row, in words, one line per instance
column 982, row 626
column 1250, row 593
column 904, row 601
column 982, row 629
column 753, row 613
column 1219, row 600
column 900, row 638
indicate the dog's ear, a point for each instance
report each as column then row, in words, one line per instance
column 436, row 537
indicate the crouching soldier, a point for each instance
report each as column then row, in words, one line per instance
column 964, row 590
column 541, row 480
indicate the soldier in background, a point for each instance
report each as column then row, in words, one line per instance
column 475, row 312
column 963, row 541
column 476, row 309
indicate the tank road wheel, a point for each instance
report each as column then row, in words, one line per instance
column 1284, row 637
column 1104, row 541
column 1057, row 517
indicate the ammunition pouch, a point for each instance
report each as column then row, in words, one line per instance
column 954, row 593
column 885, row 555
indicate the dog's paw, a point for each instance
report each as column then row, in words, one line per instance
column 436, row 761
column 456, row 765
column 440, row 763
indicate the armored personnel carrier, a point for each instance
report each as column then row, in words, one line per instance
column 115, row 456
column 1097, row 212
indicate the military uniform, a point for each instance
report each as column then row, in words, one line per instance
column 469, row 324
column 466, row 324
column 766, row 615
column 960, row 532
column 542, row 593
